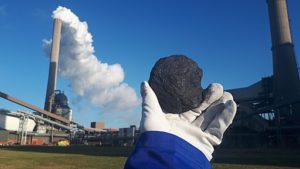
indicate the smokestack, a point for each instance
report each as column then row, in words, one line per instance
column 53, row 64
column 286, row 83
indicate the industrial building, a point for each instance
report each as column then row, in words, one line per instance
column 97, row 125
column 268, row 112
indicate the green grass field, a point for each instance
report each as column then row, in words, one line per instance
column 81, row 157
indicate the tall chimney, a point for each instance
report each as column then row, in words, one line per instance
column 286, row 83
column 53, row 64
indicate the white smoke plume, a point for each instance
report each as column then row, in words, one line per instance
column 99, row 83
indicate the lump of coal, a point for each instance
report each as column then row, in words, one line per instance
column 176, row 81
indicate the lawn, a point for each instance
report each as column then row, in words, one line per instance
column 81, row 157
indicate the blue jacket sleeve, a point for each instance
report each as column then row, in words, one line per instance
column 160, row 150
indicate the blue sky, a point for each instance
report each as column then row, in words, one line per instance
column 230, row 40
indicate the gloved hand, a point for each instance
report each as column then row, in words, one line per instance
column 202, row 127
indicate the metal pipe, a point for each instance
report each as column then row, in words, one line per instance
column 46, row 120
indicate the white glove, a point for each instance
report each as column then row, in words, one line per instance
column 202, row 127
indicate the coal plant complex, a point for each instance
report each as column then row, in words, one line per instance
column 268, row 112
column 53, row 125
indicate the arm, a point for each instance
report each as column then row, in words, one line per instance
column 181, row 141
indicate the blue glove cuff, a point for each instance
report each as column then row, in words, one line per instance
column 160, row 150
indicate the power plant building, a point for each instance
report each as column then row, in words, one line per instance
column 269, row 110
column 97, row 125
